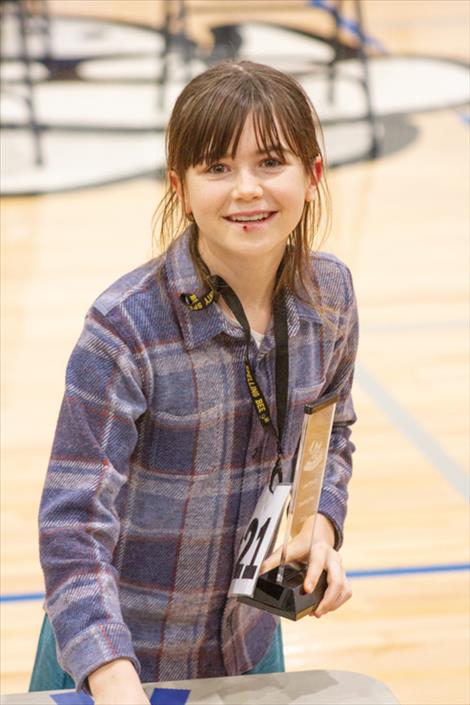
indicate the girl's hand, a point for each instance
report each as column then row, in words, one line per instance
column 319, row 556
column 117, row 683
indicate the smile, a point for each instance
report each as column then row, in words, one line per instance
column 260, row 216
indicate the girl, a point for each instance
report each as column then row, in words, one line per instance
column 160, row 456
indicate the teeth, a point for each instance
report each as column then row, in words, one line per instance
column 246, row 218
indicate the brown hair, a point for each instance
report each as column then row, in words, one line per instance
column 207, row 122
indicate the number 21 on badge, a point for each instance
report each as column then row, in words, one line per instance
column 257, row 539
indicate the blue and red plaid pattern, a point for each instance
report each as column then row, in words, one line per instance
column 158, row 462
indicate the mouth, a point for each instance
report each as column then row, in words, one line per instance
column 251, row 219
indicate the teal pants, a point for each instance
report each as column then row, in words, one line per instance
column 48, row 675
column 273, row 662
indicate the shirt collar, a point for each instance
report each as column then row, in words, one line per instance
column 200, row 326
column 196, row 326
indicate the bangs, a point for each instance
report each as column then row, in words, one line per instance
column 217, row 131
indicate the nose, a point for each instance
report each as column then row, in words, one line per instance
column 247, row 186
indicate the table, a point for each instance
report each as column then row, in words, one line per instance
column 299, row 687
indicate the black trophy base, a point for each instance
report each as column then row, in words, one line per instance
column 287, row 598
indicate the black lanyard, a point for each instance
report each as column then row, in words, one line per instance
column 220, row 287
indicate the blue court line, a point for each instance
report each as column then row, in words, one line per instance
column 23, row 597
column 410, row 428
column 369, row 573
column 350, row 25
column 410, row 570
column 465, row 118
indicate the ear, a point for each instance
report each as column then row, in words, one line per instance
column 318, row 169
column 177, row 185
column 315, row 178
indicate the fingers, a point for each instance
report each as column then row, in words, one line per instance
column 322, row 557
column 297, row 550
column 316, row 565
column 339, row 589
column 271, row 561
column 333, row 599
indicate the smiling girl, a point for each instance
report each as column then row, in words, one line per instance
column 159, row 456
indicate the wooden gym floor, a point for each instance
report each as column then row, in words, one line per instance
column 401, row 223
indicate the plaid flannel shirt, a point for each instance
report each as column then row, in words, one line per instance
column 158, row 462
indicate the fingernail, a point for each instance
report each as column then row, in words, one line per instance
column 309, row 585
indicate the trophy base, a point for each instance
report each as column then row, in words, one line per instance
column 287, row 598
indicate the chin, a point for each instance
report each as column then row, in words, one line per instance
column 256, row 246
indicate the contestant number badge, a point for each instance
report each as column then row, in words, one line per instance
column 257, row 539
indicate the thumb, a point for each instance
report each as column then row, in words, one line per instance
column 271, row 561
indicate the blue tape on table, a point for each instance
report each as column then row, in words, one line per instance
column 169, row 696
column 72, row 698
column 160, row 696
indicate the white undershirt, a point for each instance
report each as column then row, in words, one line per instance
column 257, row 337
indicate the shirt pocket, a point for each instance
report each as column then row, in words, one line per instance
column 187, row 445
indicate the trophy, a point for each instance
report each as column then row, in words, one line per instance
column 280, row 590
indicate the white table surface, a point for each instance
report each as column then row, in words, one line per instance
column 299, row 687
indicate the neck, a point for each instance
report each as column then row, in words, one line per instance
column 252, row 279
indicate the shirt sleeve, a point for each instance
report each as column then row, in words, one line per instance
column 78, row 521
column 334, row 496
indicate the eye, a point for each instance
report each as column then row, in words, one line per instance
column 217, row 169
column 271, row 162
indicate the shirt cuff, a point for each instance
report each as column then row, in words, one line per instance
column 95, row 647
column 333, row 511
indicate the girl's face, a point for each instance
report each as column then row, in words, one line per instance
column 247, row 206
